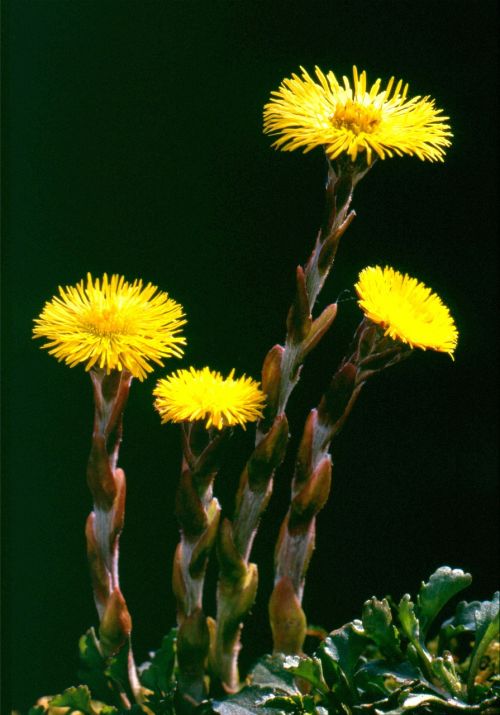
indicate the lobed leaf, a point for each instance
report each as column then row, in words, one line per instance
column 74, row 698
column 435, row 594
column 377, row 624
column 408, row 619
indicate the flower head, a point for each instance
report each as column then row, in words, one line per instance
column 406, row 310
column 189, row 395
column 355, row 119
column 111, row 324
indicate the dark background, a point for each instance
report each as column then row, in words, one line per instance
column 133, row 144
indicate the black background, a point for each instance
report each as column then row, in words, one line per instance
column 133, row 144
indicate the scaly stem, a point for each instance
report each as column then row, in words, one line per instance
column 311, row 482
column 198, row 513
column 105, row 523
column 280, row 374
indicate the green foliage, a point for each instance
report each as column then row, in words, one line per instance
column 77, row 699
column 271, row 671
column 107, row 678
column 434, row 595
column 384, row 664
column 251, row 699
column 378, row 625
column 158, row 675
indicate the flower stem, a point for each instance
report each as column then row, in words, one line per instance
column 280, row 374
column 105, row 522
column 198, row 513
column 371, row 352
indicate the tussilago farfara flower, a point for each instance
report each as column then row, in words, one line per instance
column 112, row 325
column 355, row 119
column 189, row 395
column 406, row 309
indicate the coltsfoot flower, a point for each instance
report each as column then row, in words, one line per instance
column 189, row 395
column 112, row 325
column 406, row 309
column 355, row 119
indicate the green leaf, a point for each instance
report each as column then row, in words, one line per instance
column 296, row 704
column 309, row 669
column 448, row 705
column 36, row 710
column 463, row 621
column 92, row 666
column 377, row 624
column 416, row 651
column 74, row 698
column 117, row 669
column 344, row 647
column 272, row 672
column 435, row 594
column 158, row 674
column 252, row 700
column 487, row 619
column 381, row 673
column 464, row 618
column 409, row 621
column 90, row 654
column 444, row 669
column 164, row 704
column 487, row 627
column 105, row 677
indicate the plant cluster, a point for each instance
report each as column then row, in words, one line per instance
column 119, row 330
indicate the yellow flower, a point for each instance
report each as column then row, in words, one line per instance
column 352, row 120
column 189, row 395
column 406, row 310
column 112, row 325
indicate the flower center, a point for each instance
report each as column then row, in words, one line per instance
column 107, row 322
column 356, row 117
